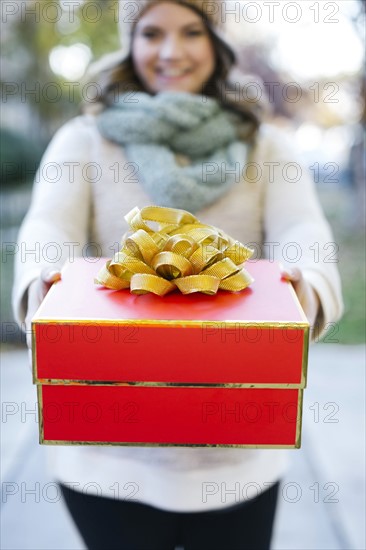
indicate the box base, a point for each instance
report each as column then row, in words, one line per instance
column 170, row 415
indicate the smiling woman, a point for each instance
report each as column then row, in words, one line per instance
column 172, row 50
column 175, row 46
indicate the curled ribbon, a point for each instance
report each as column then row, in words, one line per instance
column 168, row 248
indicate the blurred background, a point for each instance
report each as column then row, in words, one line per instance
column 309, row 57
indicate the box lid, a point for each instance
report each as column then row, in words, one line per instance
column 165, row 352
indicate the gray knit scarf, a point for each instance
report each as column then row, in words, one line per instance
column 159, row 131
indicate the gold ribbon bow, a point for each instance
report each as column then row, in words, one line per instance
column 169, row 248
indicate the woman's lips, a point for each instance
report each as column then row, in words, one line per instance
column 172, row 74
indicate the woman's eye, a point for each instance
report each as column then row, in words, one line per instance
column 149, row 34
column 195, row 33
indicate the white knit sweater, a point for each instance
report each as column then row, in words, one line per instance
column 84, row 186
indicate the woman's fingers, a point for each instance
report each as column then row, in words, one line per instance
column 36, row 292
column 307, row 296
column 34, row 301
column 50, row 276
column 294, row 274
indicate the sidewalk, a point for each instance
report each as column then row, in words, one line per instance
column 322, row 504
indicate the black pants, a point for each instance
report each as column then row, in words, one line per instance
column 108, row 524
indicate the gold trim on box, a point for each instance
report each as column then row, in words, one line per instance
column 116, row 444
column 247, row 385
column 34, row 354
column 175, row 323
column 40, row 415
column 299, row 420
column 305, row 357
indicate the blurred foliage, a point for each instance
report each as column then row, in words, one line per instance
column 19, row 158
column 339, row 206
column 30, row 39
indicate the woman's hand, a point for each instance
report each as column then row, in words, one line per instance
column 307, row 296
column 36, row 292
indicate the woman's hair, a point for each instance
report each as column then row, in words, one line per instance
column 123, row 78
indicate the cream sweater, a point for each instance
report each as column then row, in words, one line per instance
column 83, row 188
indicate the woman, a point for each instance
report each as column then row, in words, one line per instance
column 163, row 129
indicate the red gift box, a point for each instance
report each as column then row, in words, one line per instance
column 224, row 370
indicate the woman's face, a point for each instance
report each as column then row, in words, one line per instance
column 172, row 50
